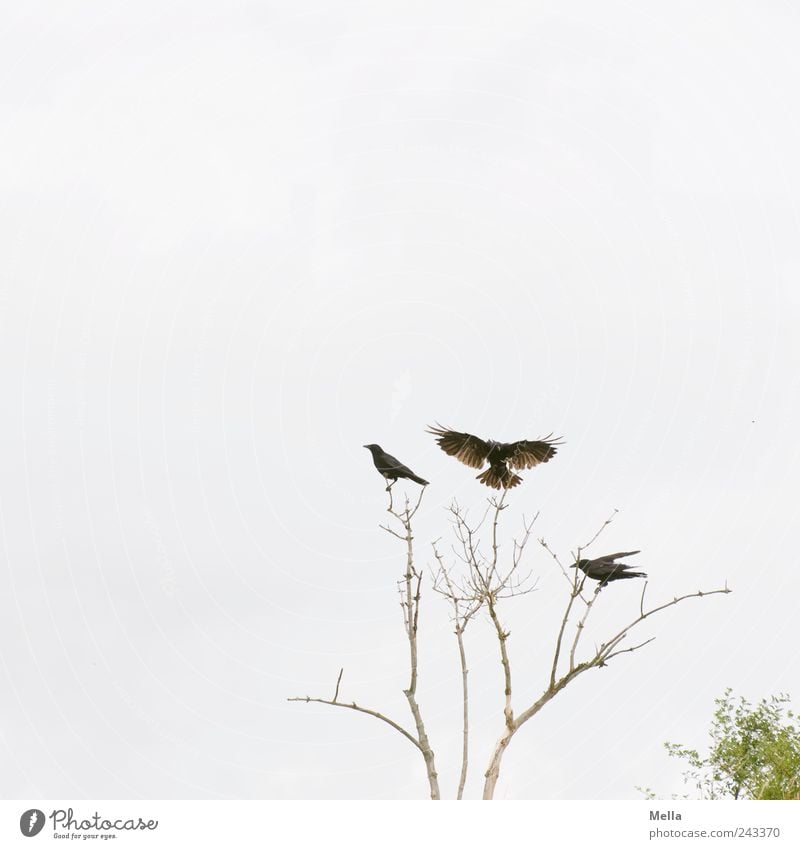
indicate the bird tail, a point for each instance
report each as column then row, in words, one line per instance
column 617, row 575
column 499, row 477
column 419, row 480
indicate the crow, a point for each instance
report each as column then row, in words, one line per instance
column 391, row 468
column 604, row 569
column 474, row 452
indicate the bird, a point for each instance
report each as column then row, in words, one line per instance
column 604, row 569
column 391, row 468
column 474, row 452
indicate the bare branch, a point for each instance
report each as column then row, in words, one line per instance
column 582, row 624
column 519, row 547
column 575, row 591
column 620, row 635
column 411, row 603
column 622, row 651
column 555, row 557
column 600, row 530
column 392, row 532
column 360, row 709
column 577, row 583
column 605, row 653
column 338, row 682
column 602, row 655
column 499, row 505
column 461, row 618
column 502, row 636
column 410, row 592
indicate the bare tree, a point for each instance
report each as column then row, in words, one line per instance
column 479, row 579
column 462, row 614
column 558, row 680
column 483, row 583
column 409, row 588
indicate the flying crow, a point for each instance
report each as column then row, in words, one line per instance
column 604, row 569
column 475, row 452
column 391, row 468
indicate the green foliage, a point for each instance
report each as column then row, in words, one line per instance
column 754, row 752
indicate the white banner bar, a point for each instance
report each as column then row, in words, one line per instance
column 384, row 825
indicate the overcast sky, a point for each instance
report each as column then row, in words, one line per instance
column 240, row 240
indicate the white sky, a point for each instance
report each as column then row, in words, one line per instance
column 243, row 239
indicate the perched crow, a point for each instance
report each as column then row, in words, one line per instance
column 391, row 468
column 474, row 452
column 604, row 569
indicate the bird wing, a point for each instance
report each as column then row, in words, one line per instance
column 602, row 571
column 393, row 464
column 618, row 555
column 471, row 450
column 526, row 453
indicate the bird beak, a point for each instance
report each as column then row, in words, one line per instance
column 363, row 446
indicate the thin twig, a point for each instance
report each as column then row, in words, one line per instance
column 576, row 588
column 622, row 651
column 579, row 628
column 360, row 709
column 461, row 619
column 600, row 530
column 338, row 681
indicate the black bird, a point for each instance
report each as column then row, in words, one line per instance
column 604, row 569
column 391, row 468
column 474, row 452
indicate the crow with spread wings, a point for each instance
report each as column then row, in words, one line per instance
column 502, row 457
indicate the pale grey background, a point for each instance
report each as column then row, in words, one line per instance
column 242, row 239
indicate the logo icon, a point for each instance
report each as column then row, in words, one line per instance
column 31, row 822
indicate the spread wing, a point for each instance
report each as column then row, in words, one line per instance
column 526, row 453
column 471, row 450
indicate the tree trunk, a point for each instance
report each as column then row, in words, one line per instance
column 493, row 773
